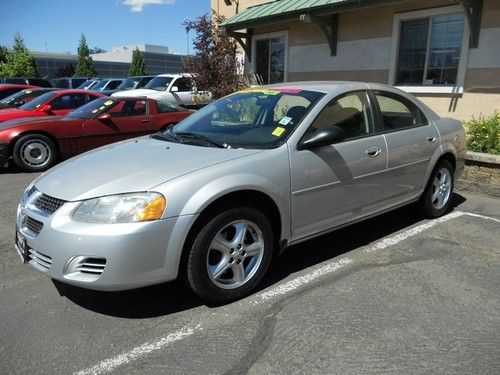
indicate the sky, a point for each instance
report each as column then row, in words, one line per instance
column 57, row 25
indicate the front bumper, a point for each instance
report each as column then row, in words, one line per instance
column 105, row 257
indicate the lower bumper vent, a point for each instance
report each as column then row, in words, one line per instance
column 38, row 259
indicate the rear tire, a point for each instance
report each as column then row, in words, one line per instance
column 438, row 194
column 34, row 153
column 230, row 255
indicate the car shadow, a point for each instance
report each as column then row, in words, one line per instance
column 173, row 297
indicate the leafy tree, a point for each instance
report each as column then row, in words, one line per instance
column 85, row 65
column 19, row 61
column 138, row 67
column 4, row 52
column 215, row 63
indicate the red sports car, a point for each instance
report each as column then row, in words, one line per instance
column 7, row 89
column 36, row 144
column 53, row 103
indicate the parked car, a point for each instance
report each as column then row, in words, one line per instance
column 37, row 144
column 107, row 84
column 7, row 89
column 52, row 103
column 33, row 81
column 68, row 82
column 87, row 85
column 174, row 88
column 130, row 83
column 24, row 96
column 215, row 198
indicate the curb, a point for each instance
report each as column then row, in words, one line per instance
column 481, row 174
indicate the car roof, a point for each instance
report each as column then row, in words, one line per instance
column 15, row 86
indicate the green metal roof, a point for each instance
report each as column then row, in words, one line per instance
column 283, row 8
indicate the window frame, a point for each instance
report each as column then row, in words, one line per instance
column 458, row 88
column 378, row 113
column 376, row 126
column 258, row 37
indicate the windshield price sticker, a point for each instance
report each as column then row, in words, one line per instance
column 28, row 91
column 278, row 131
column 261, row 91
column 95, row 111
column 108, row 102
column 102, row 107
column 285, row 121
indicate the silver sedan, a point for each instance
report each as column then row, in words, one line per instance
column 213, row 199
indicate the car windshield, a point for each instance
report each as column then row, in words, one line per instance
column 92, row 109
column 37, row 102
column 21, row 97
column 128, row 84
column 256, row 118
column 100, row 85
column 159, row 83
column 87, row 84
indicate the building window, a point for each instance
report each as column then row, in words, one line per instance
column 431, row 49
column 270, row 57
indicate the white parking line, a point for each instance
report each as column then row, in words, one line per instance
column 140, row 351
column 294, row 284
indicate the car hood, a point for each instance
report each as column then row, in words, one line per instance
column 27, row 120
column 12, row 113
column 138, row 92
column 129, row 166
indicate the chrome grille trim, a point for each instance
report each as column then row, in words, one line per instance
column 92, row 265
column 40, row 259
column 48, row 204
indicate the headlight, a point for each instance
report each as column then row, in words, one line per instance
column 123, row 208
column 27, row 193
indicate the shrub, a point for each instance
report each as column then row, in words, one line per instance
column 483, row 134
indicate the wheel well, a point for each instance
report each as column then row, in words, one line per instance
column 249, row 198
column 450, row 158
column 51, row 137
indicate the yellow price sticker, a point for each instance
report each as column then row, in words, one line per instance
column 28, row 91
column 278, row 131
column 108, row 102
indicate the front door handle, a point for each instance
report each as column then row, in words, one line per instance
column 373, row 151
column 431, row 139
column 145, row 121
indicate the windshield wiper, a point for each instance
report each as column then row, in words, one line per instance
column 202, row 138
column 166, row 136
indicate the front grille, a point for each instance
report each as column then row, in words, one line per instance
column 48, row 204
column 39, row 259
column 33, row 225
column 94, row 266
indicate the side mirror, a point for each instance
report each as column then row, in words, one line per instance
column 104, row 117
column 174, row 89
column 322, row 137
column 45, row 108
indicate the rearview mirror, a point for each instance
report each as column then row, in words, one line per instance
column 46, row 108
column 322, row 137
column 105, row 116
column 174, row 89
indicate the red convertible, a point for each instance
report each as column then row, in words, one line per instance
column 37, row 144
column 52, row 103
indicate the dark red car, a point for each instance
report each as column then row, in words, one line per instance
column 7, row 89
column 22, row 97
column 52, row 103
column 36, row 144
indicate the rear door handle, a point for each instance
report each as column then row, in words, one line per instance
column 431, row 139
column 373, row 151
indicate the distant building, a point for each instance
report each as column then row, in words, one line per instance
column 116, row 63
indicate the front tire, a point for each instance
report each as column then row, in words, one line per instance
column 230, row 255
column 34, row 153
column 439, row 192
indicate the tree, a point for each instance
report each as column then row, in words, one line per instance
column 138, row 67
column 215, row 63
column 4, row 53
column 85, row 65
column 19, row 62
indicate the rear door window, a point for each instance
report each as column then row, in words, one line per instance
column 397, row 112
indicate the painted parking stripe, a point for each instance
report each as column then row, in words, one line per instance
column 111, row 364
column 140, row 351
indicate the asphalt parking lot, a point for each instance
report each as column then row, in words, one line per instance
column 396, row 294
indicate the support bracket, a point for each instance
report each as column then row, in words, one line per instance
column 473, row 12
column 244, row 39
column 329, row 26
